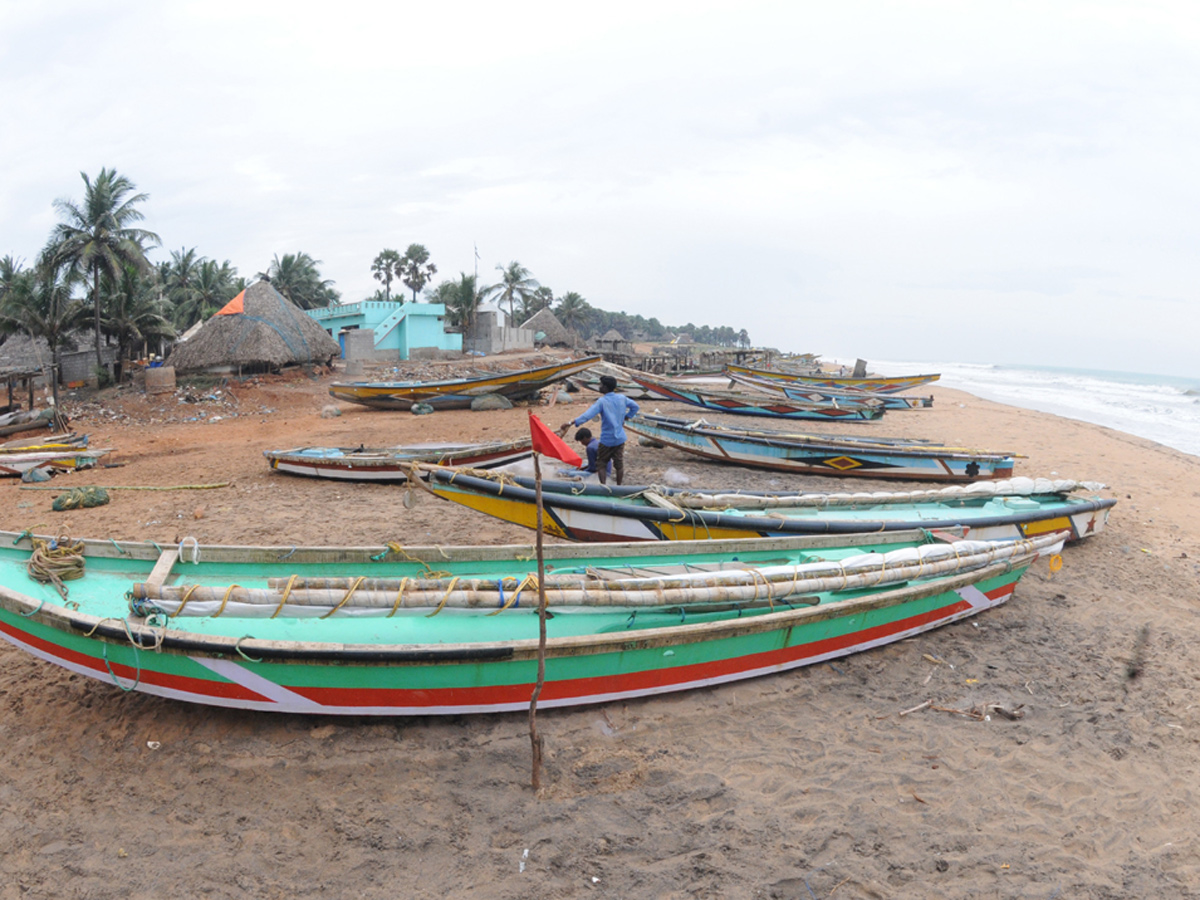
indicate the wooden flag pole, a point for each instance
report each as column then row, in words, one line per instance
column 534, row 738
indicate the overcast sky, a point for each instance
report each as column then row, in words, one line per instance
column 1008, row 183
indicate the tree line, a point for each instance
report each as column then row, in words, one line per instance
column 94, row 274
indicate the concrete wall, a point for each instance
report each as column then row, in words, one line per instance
column 488, row 335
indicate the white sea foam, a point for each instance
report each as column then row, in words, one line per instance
column 1161, row 408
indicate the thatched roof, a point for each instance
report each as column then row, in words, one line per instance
column 547, row 323
column 612, row 336
column 268, row 332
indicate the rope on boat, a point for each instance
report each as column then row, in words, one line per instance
column 53, row 562
column 396, row 548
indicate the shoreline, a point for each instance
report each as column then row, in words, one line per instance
column 779, row 785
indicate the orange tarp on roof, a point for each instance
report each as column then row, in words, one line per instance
column 234, row 306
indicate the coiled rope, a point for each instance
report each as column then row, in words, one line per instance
column 56, row 561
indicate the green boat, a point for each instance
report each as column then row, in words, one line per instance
column 426, row 631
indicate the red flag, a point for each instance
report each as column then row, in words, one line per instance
column 548, row 443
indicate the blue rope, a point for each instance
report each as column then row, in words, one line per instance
column 137, row 662
column 500, row 588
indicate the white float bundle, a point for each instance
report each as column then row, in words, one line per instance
column 588, row 591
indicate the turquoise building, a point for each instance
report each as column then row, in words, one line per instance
column 395, row 330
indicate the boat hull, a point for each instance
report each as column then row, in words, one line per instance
column 812, row 457
column 585, row 513
column 344, row 464
column 243, row 665
column 879, row 385
column 750, row 406
column 456, row 393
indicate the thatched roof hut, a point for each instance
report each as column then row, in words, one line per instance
column 258, row 330
column 556, row 335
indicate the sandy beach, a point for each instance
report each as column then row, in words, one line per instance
column 804, row 785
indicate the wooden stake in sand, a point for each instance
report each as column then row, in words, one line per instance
column 547, row 442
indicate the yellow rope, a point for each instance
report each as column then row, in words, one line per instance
column 346, row 599
column 224, row 600
column 529, row 580
column 187, row 595
column 287, row 590
column 54, row 566
column 399, row 596
column 446, row 597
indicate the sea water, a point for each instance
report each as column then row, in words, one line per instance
column 1161, row 408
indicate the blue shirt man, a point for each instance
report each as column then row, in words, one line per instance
column 613, row 409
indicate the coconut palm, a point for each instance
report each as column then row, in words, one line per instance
column 415, row 268
column 386, row 268
column 516, row 283
column 97, row 236
column 134, row 313
column 38, row 302
column 296, row 276
column 573, row 311
column 462, row 299
column 216, row 284
column 540, row 299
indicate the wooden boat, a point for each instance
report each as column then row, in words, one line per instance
column 456, row 393
column 376, row 631
column 64, row 459
column 45, row 442
column 811, row 394
column 750, row 405
column 878, row 384
column 393, row 463
column 813, row 454
column 986, row 510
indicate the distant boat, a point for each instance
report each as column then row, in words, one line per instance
column 18, row 462
column 1004, row 510
column 456, row 393
column 879, row 384
column 815, row 454
column 745, row 404
column 393, row 463
column 813, row 394
column 408, row 631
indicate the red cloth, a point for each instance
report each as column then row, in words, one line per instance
column 548, row 443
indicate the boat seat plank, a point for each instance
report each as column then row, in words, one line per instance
column 162, row 568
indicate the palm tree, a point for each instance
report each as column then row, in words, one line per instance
column 38, row 302
column 416, row 269
column 386, row 268
column 462, row 299
column 540, row 299
column 296, row 276
column 573, row 311
column 215, row 285
column 10, row 271
column 134, row 313
column 515, row 285
column 179, row 282
column 98, row 237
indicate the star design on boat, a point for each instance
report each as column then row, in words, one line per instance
column 1091, row 525
column 843, row 463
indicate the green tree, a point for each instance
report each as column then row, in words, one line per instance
column 39, row 302
column 98, row 235
column 134, row 313
column 744, row 339
column 462, row 299
column 415, row 268
column 216, row 284
column 516, row 283
column 386, row 268
column 573, row 311
column 296, row 276
column 542, row 298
